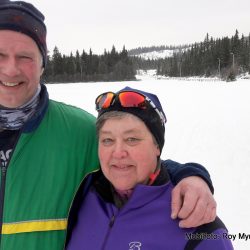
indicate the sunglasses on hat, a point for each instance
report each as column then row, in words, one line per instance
column 127, row 99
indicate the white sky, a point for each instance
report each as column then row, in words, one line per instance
column 99, row 24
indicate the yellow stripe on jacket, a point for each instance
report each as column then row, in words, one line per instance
column 34, row 226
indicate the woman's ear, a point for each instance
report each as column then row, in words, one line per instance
column 158, row 150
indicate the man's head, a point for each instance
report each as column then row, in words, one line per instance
column 25, row 18
column 22, row 52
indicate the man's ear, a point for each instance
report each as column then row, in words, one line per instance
column 42, row 70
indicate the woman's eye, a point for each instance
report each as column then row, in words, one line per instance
column 132, row 140
column 106, row 141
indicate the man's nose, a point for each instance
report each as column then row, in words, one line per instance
column 10, row 67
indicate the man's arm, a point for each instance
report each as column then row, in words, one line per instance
column 178, row 171
column 192, row 199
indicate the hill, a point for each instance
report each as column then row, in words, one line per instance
column 157, row 52
column 225, row 57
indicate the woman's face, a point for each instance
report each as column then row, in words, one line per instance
column 127, row 151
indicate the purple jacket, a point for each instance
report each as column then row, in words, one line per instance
column 144, row 223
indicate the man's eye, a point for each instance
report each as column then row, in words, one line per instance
column 25, row 57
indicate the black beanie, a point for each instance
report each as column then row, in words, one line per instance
column 149, row 116
column 25, row 18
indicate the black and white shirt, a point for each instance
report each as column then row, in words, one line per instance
column 7, row 142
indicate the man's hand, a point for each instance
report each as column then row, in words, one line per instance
column 193, row 202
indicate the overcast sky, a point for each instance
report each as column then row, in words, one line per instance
column 99, row 24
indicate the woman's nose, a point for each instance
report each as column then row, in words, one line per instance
column 119, row 150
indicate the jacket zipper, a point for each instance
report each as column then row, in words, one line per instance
column 111, row 223
column 2, row 193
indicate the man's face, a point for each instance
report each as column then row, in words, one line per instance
column 20, row 68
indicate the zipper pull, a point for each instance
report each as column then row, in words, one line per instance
column 4, row 170
column 112, row 221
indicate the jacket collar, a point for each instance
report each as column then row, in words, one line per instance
column 106, row 191
column 42, row 107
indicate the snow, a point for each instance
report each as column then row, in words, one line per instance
column 157, row 54
column 208, row 122
column 161, row 54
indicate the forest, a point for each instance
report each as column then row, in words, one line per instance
column 86, row 67
column 225, row 58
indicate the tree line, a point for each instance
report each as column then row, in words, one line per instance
column 141, row 50
column 225, row 57
column 85, row 67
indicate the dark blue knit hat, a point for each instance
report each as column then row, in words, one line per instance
column 155, row 121
column 25, row 18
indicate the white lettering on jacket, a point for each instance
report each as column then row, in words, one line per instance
column 135, row 245
column 5, row 156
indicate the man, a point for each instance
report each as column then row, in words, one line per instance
column 47, row 148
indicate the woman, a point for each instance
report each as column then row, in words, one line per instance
column 128, row 203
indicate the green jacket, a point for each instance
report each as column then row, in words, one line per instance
column 44, row 173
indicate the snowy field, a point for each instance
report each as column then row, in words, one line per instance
column 208, row 122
